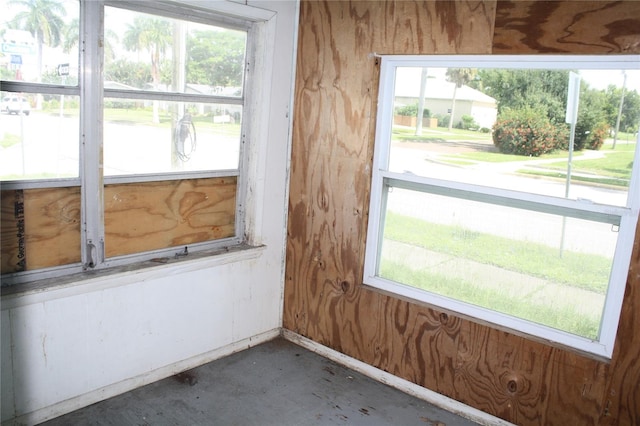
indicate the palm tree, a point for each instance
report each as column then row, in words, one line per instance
column 460, row 77
column 71, row 34
column 153, row 35
column 44, row 20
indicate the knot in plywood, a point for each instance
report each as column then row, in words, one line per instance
column 513, row 383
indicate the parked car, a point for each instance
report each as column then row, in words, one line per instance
column 15, row 105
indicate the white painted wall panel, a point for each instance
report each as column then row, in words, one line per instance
column 6, row 367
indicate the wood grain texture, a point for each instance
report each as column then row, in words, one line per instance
column 156, row 215
column 622, row 396
column 138, row 217
column 521, row 380
column 12, row 254
column 51, row 234
column 587, row 27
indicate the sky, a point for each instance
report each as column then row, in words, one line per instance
column 597, row 79
column 600, row 79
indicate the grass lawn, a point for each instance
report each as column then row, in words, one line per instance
column 585, row 271
column 614, row 164
column 144, row 116
column 567, row 319
column 613, row 169
column 497, row 157
column 620, row 146
column 440, row 134
column 9, row 139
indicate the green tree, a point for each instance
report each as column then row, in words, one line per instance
column 134, row 74
column 154, row 36
column 630, row 108
column 6, row 74
column 44, row 20
column 460, row 77
column 592, row 119
column 544, row 91
column 70, row 35
column 215, row 58
column 630, row 111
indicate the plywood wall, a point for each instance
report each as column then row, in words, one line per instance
column 522, row 381
column 156, row 215
column 41, row 227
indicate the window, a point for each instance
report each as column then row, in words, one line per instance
column 507, row 190
column 125, row 133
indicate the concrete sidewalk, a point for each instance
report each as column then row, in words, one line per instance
column 528, row 289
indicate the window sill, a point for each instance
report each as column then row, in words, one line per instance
column 74, row 284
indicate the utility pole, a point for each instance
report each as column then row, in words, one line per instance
column 624, row 86
column 573, row 100
column 423, row 90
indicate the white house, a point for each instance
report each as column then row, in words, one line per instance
column 439, row 96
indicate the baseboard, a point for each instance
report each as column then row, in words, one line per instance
column 127, row 385
column 403, row 385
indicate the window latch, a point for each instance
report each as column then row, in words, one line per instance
column 91, row 255
column 94, row 254
column 183, row 253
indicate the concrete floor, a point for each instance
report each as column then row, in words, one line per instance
column 275, row 383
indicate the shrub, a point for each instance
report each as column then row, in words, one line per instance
column 597, row 136
column 412, row 111
column 587, row 136
column 51, row 104
column 443, row 119
column 468, row 122
column 527, row 132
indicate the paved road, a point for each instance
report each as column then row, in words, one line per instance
column 578, row 235
column 433, row 163
column 51, row 146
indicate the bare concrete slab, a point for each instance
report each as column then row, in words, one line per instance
column 275, row 383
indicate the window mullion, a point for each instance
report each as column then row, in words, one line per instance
column 91, row 118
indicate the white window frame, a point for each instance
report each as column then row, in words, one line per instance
column 383, row 179
column 259, row 25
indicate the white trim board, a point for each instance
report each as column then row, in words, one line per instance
column 396, row 382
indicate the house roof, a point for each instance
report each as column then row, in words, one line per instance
column 109, row 84
column 408, row 86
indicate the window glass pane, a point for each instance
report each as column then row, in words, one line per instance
column 39, row 41
column 540, row 267
column 509, row 129
column 188, row 137
column 147, row 52
column 39, row 144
